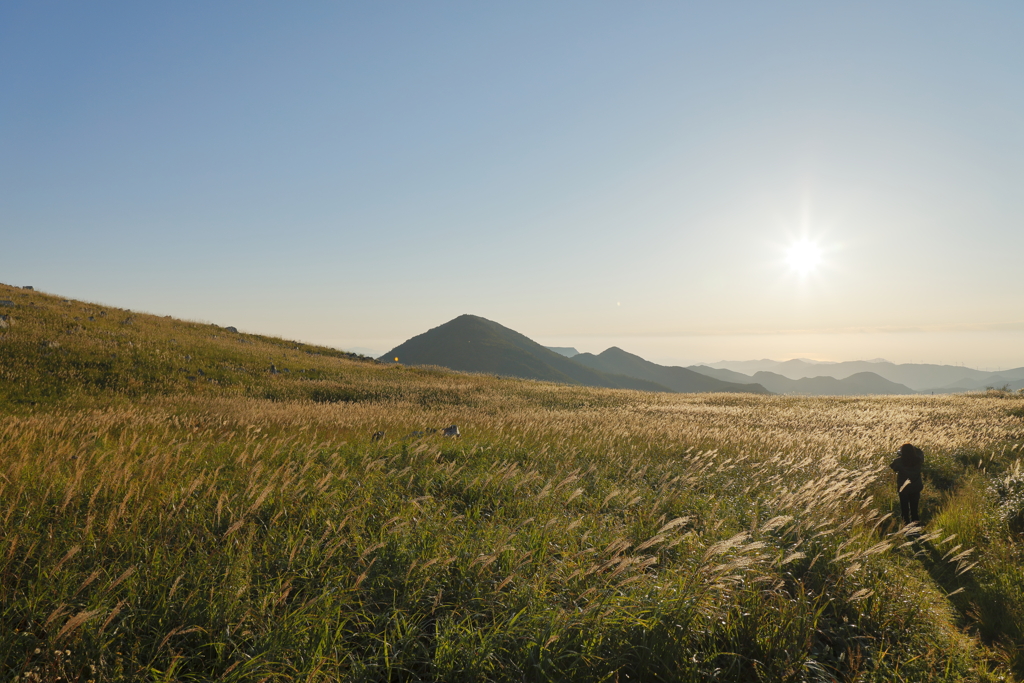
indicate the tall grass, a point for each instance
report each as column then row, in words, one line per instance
column 255, row 531
column 663, row 536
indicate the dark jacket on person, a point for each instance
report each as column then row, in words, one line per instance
column 908, row 468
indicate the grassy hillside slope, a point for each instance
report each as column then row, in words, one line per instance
column 473, row 344
column 250, row 529
column 53, row 348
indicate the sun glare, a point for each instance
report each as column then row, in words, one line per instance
column 804, row 256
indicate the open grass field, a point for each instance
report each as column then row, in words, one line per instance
column 173, row 510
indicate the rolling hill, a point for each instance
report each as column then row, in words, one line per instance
column 470, row 343
column 54, row 349
column 681, row 380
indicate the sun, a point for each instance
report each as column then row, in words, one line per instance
column 803, row 256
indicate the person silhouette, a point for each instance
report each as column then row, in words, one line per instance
column 908, row 480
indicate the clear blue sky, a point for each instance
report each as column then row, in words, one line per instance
column 586, row 173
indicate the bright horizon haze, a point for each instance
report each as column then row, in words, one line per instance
column 690, row 182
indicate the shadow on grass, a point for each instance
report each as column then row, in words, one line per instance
column 980, row 581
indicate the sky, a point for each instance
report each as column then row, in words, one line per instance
column 587, row 173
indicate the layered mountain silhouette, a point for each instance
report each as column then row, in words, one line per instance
column 821, row 385
column 916, row 376
column 681, row 380
column 859, row 384
column 473, row 344
column 722, row 374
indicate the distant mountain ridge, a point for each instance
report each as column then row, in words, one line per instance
column 470, row 343
column 916, row 376
column 858, row 384
column 677, row 379
column 473, row 344
column 722, row 374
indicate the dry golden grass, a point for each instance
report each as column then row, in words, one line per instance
column 245, row 525
column 154, row 527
